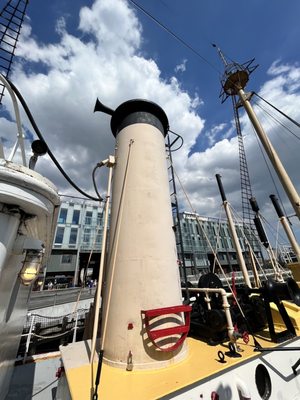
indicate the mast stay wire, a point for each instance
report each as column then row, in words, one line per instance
column 269, row 170
column 174, row 35
column 210, row 245
column 239, row 219
column 277, row 109
column 256, row 343
column 276, row 120
column 289, row 130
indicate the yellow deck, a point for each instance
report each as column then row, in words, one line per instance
column 201, row 362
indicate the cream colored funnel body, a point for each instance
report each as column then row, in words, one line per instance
column 142, row 270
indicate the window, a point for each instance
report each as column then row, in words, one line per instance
column 88, row 217
column 73, row 236
column 99, row 238
column 59, row 235
column 99, row 218
column 87, row 235
column 63, row 216
column 75, row 219
column 66, row 259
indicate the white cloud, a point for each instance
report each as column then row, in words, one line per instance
column 62, row 80
column 198, row 174
column 214, row 132
column 181, row 67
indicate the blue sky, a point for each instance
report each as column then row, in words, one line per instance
column 71, row 52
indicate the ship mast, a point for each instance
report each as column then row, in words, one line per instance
column 234, row 82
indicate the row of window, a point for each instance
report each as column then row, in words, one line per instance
column 88, row 236
column 60, row 235
column 213, row 229
column 62, row 219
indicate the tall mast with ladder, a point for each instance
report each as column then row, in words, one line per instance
column 246, row 190
column 234, row 81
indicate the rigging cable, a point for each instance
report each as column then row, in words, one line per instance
column 51, row 155
column 174, row 35
column 277, row 109
column 276, row 120
column 219, row 265
column 268, row 167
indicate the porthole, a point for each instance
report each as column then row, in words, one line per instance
column 263, row 382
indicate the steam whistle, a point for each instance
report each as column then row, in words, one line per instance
column 102, row 108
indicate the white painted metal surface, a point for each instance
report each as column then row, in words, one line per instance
column 28, row 211
column 241, row 381
column 142, row 261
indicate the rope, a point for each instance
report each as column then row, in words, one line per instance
column 52, row 336
column 102, row 264
column 60, row 316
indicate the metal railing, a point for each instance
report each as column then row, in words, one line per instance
column 40, row 330
column 48, row 298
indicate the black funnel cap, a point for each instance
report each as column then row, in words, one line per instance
column 139, row 111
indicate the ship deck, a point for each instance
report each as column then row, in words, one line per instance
column 201, row 364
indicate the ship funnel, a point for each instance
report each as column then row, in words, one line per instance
column 144, row 322
column 102, row 108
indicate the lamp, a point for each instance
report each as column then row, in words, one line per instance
column 31, row 266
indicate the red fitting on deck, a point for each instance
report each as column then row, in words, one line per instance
column 155, row 334
column 214, row 396
column 59, row 372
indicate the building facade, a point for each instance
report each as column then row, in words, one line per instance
column 77, row 244
column 202, row 237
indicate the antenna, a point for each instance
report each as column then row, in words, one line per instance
column 11, row 19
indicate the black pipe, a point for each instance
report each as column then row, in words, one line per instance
column 254, row 204
column 261, row 232
column 276, row 206
column 221, row 189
